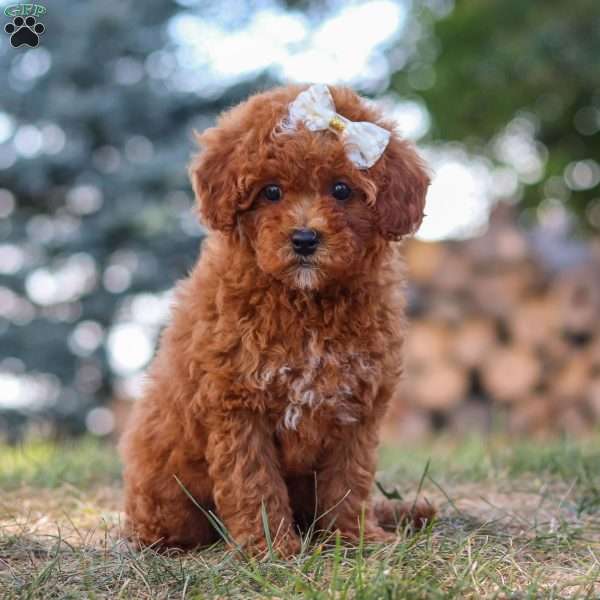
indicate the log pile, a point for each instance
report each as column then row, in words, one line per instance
column 499, row 337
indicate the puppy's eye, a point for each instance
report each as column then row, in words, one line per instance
column 272, row 193
column 341, row 190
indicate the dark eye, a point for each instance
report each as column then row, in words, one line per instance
column 341, row 191
column 272, row 193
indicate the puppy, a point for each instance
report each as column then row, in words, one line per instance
column 270, row 383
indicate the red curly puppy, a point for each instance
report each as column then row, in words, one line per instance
column 274, row 375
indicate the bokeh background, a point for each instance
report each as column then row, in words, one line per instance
column 96, row 212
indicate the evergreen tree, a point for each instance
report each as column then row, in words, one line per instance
column 94, row 193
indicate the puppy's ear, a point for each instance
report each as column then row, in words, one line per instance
column 401, row 191
column 215, row 173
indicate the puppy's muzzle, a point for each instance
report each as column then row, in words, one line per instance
column 305, row 241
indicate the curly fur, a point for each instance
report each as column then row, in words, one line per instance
column 273, row 377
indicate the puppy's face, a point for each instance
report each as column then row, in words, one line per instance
column 309, row 215
column 308, row 233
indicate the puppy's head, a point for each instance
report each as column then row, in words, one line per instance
column 308, row 214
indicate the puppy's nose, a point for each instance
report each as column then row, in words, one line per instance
column 305, row 241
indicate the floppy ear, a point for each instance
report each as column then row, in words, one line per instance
column 214, row 173
column 401, row 197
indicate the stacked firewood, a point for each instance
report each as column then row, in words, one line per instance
column 500, row 335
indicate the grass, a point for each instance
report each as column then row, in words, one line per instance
column 517, row 520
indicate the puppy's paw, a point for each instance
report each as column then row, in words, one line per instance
column 284, row 546
column 377, row 535
column 393, row 513
column 370, row 533
column 289, row 545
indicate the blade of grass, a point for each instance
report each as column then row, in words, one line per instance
column 266, row 529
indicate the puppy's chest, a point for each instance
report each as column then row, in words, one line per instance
column 334, row 386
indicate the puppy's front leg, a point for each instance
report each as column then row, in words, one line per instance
column 246, row 476
column 344, row 484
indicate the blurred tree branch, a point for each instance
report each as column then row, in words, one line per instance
column 486, row 63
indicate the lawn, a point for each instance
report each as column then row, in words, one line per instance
column 517, row 520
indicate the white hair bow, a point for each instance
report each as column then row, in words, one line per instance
column 364, row 141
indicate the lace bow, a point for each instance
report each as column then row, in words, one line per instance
column 364, row 141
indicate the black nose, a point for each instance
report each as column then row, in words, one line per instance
column 305, row 241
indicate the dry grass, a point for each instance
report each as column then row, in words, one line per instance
column 517, row 521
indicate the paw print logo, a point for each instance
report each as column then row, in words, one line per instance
column 24, row 31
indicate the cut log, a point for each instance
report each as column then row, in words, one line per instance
column 427, row 342
column 439, row 386
column 511, row 373
column 499, row 293
column 534, row 322
column 570, row 382
column 473, row 340
column 423, row 260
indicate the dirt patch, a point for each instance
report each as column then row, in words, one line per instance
column 76, row 517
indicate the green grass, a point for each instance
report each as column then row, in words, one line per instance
column 42, row 464
column 517, row 520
